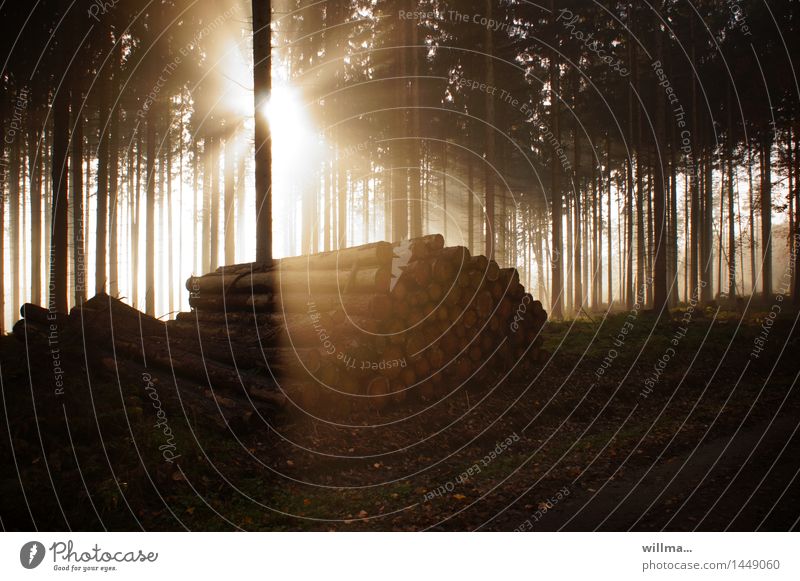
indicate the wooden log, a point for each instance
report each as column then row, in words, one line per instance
column 378, row 254
column 259, row 303
column 105, row 315
column 355, row 280
column 376, row 306
column 479, row 263
column 204, row 371
column 373, row 254
column 492, row 271
column 42, row 316
column 418, row 272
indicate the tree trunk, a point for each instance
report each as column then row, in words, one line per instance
column 3, row 170
column 489, row 162
column 214, row 209
column 556, row 286
column 766, row 215
column 78, row 226
column 660, row 289
column 262, row 86
column 59, row 244
column 14, row 203
column 150, row 231
column 34, row 152
column 230, row 217
column 113, row 177
column 103, row 150
column 576, row 188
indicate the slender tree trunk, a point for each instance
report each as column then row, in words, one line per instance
column 3, row 181
column 197, row 199
column 556, row 286
column 262, row 86
column 731, row 225
column 34, row 162
column 59, row 244
column 489, row 163
column 14, row 203
column 230, row 218
column 414, row 159
column 113, row 178
column 215, row 199
column 341, row 203
column 708, row 231
column 659, row 223
column 150, row 229
column 470, row 206
column 135, row 210
column 170, row 242
column 610, row 233
column 695, row 265
column 78, row 226
column 578, row 230
column 241, row 211
column 796, row 240
column 103, row 152
column 766, row 216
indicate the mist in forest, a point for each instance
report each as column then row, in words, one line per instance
column 607, row 151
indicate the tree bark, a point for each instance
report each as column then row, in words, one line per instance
column 262, row 86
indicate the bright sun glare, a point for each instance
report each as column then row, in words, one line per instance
column 288, row 121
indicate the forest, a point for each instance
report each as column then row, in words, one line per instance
column 605, row 161
column 597, row 148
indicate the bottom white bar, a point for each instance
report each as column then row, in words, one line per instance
column 401, row 556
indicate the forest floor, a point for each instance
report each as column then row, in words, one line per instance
column 589, row 440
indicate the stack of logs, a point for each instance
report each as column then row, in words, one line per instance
column 369, row 325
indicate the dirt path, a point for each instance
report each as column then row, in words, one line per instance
column 726, row 483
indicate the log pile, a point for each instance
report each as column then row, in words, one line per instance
column 113, row 333
column 360, row 327
column 368, row 325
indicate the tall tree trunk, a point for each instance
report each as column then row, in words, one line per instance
column 103, row 151
column 731, row 210
column 215, row 199
column 341, row 202
column 14, row 203
column 170, row 242
column 556, row 286
column 766, row 215
column 609, row 238
column 34, row 162
column 230, row 217
column 414, row 150
column 150, row 229
column 752, row 204
column 695, row 265
column 113, row 177
column 489, row 162
column 78, row 196
column 135, row 210
column 241, row 211
column 262, row 86
column 796, row 240
column 206, row 238
column 576, row 188
column 708, row 230
column 660, row 289
column 59, row 244
column 470, row 206
column 3, row 174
